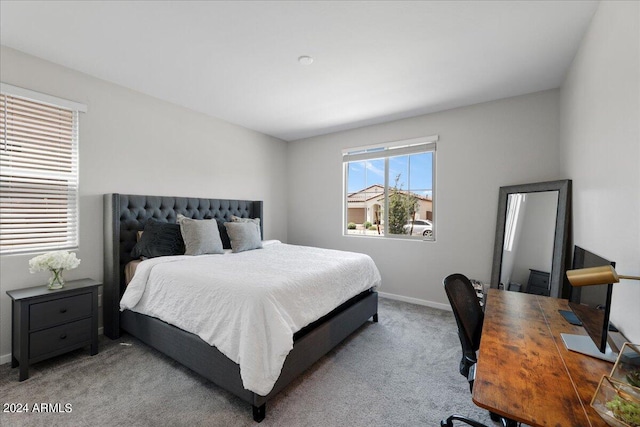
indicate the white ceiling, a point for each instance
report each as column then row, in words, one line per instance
column 374, row 61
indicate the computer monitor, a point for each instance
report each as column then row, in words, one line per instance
column 592, row 305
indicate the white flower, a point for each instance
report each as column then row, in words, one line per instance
column 54, row 261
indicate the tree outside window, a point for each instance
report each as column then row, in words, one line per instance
column 389, row 189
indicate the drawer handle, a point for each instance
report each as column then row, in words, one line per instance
column 63, row 336
column 63, row 310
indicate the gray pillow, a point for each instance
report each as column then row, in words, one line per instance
column 244, row 236
column 201, row 236
column 238, row 219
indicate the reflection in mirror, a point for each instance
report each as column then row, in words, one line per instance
column 528, row 239
column 532, row 231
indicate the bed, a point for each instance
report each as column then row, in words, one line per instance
column 125, row 215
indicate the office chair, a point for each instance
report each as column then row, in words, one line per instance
column 469, row 318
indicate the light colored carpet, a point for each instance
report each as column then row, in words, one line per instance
column 402, row 371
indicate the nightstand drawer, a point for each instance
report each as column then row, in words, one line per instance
column 538, row 290
column 58, row 311
column 59, row 337
column 540, row 280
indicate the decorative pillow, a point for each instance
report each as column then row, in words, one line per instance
column 159, row 239
column 244, row 236
column 201, row 236
column 224, row 236
column 226, row 243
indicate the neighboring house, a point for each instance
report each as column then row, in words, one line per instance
column 366, row 205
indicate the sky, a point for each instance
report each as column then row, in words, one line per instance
column 415, row 172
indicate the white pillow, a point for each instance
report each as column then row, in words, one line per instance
column 201, row 236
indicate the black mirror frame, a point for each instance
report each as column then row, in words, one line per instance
column 561, row 239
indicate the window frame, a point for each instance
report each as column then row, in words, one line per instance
column 385, row 151
column 68, row 232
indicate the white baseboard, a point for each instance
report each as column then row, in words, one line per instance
column 416, row 301
column 6, row 358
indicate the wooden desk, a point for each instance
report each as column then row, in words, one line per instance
column 524, row 372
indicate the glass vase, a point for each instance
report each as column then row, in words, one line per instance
column 627, row 367
column 55, row 280
column 617, row 403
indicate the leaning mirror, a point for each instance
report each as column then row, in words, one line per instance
column 532, row 231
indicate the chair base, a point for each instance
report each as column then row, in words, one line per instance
column 506, row 422
column 449, row 421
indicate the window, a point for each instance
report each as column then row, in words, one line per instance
column 38, row 171
column 389, row 189
column 513, row 215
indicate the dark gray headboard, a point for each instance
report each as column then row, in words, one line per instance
column 126, row 214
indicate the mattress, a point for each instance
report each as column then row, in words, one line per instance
column 250, row 304
column 130, row 270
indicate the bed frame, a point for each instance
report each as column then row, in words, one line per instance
column 125, row 215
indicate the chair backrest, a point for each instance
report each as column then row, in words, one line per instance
column 467, row 311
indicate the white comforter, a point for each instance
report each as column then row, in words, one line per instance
column 250, row 304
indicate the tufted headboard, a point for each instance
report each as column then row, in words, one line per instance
column 126, row 214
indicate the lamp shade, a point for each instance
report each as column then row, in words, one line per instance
column 592, row 276
column 596, row 276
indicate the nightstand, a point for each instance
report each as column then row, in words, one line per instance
column 47, row 323
column 538, row 282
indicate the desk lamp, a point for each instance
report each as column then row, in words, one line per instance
column 597, row 326
column 596, row 276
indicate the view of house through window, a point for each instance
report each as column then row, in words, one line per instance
column 389, row 189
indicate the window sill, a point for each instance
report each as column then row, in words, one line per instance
column 396, row 238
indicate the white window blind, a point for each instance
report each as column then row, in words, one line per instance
column 38, row 172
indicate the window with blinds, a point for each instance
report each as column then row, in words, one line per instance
column 389, row 189
column 38, row 172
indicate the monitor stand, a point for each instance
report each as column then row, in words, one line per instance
column 584, row 344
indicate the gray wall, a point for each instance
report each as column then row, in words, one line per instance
column 481, row 148
column 600, row 116
column 133, row 143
